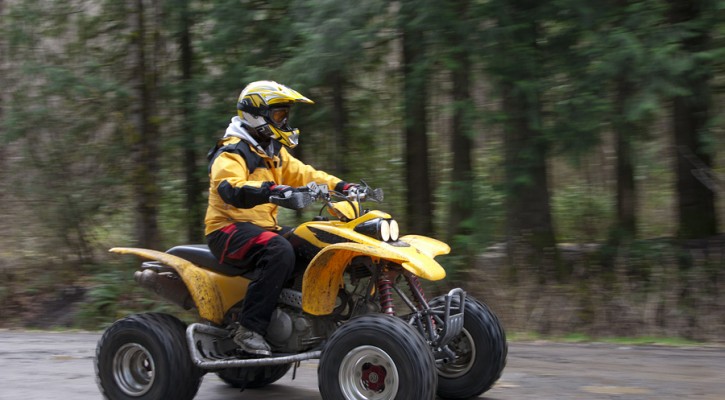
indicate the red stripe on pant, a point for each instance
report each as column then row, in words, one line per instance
column 261, row 240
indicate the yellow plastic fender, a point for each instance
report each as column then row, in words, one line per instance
column 349, row 210
column 324, row 276
column 431, row 247
column 212, row 293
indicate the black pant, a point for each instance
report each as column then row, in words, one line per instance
column 248, row 246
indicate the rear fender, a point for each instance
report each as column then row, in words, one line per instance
column 213, row 294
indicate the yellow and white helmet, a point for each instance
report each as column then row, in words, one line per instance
column 265, row 106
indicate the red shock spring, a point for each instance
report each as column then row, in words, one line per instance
column 385, row 290
column 416, row 286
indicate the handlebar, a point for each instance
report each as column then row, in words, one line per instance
column 306, row 195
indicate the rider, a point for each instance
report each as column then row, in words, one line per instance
column 247, row 166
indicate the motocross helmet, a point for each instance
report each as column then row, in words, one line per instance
column 265, row 107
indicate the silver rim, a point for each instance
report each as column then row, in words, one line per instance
column 133, row 369
column 465, row 351
column 368, row 373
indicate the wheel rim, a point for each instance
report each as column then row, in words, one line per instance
column 368, row 373
column 133, row 369
column 465, row 350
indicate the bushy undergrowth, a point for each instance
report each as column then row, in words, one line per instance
column 648, row 288
column 115, row 294
column 655, row 288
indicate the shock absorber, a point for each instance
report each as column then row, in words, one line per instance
column 415, row 286
column 419, row 295
column 385, row 291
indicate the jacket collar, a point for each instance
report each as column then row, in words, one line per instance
column 236, row 129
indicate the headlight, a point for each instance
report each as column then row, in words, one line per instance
column 381, row 229
column 394, row 230
column 384, row 230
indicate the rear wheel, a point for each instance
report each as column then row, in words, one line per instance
column 480, row 349
column 253, row 377
column 145, row 357
column 377, row 357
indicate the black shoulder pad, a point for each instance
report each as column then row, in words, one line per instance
column 252, row 159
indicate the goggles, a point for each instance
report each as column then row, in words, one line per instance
column 279, row 115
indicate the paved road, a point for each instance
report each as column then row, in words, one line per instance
column 42, row 365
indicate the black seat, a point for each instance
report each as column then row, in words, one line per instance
column 200, row 255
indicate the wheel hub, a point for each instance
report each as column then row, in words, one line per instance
column 373, row 377
column 133, row 369
column 368, row 373
column 465, row 350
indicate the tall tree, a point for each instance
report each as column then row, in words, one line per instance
column 144, row 132
column 336, row 44
column 631, row 51
column 2, row 80
column 692, row 118
column 517, row 64
column 183, row 17
column 415, row 102
column 458, row 42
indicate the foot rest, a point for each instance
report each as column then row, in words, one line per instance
column 210, row 348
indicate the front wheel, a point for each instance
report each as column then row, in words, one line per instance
column 480, row 351
column 377, row 357
column 145, row 357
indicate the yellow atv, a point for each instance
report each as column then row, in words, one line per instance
column 358, row 307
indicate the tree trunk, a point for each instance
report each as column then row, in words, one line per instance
column 340, row 124
column 419, row 198
column 529, row 227
column 461, row 197
column 193, row 186
column 626, row 225
column 144, row 137
column 691, row 116
column 528, row 211
column 3, row 84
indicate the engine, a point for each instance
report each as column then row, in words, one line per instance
column 290, row 330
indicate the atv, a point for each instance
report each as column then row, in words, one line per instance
column 357, row 305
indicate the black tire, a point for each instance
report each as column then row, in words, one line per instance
column 481, row 351
column 253, row 377
column 145, row 357
column 377, row 356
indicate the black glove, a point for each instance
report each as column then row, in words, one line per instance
column 283, row 191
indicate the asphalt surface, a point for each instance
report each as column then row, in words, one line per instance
column 45, row 365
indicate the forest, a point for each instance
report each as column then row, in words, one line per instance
column 571, row 153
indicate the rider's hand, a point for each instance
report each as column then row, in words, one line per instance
column 283, row 191
column 347, row 188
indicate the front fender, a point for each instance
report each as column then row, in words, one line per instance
column 431, row 247
column 212, row 293
column 324, row 276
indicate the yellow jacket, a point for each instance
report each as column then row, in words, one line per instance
column 240, row 177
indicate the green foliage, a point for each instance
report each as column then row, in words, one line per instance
column 113, row 295
column 582, row 213
column 66, row 171
column 58, row 122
